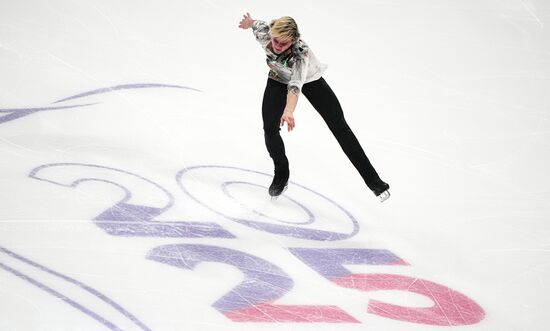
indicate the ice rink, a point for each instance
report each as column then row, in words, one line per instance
column 134, row 175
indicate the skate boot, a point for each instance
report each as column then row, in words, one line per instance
column 279, row 184
column 383, row 192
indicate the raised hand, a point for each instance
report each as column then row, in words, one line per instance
column 246, row 22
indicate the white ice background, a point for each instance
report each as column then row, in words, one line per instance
column 450, row 100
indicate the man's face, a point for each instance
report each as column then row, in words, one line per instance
column 279, row 45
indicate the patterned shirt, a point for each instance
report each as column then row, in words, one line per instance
column 295, row 66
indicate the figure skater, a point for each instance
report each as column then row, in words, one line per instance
column 294, row 69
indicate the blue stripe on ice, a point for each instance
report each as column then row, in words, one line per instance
column 123, row 87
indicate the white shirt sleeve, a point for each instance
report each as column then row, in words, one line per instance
column 261, row 32
column 299, row 72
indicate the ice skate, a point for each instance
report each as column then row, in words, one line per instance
column 384, row 195
column 275, row 196
column 279, row 185
column 383, row 192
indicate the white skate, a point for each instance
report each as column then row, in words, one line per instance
column 384, row 196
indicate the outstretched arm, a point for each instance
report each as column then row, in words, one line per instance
column 259, row 28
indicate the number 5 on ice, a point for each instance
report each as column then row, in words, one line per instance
column 450, row 307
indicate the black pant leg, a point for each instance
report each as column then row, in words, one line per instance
column 323, row 99
column 273, row 105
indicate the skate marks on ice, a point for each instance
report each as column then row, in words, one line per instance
column 240, row 195
column 134, row 215
column 253, row 300
column 10, row 114
column 76, row 294
column 450, row 307
column 241, row 199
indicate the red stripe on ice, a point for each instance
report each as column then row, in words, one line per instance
column 291, row 313
column 450, row 307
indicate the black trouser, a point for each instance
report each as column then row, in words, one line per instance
column 323, row 99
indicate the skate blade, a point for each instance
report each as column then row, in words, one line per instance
column 384, row 196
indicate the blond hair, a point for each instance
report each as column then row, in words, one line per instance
column 285, row 28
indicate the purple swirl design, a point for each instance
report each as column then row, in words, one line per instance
column 15, row 113
column 127, row 219
column 279, row 229
column 78, row 306
column 123, row 87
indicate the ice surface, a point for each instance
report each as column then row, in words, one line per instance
column 134, row 176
